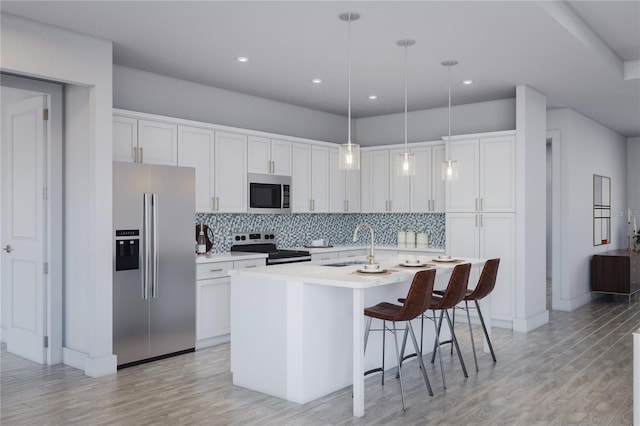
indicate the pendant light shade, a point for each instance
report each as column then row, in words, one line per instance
column 449, row 166
column 349, row 154
column 406, row 161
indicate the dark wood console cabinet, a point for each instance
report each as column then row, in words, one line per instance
column 616, row 272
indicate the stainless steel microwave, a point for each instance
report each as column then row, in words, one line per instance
column 269, row 193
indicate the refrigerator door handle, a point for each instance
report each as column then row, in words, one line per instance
column 154, row 227
column 145, row 246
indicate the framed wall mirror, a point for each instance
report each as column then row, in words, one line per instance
column 601, row 210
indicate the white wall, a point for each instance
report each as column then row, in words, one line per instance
column 32, row 49
column 432, row 124
column 633, row 176
column 531, row 165
column 157, row 94
column 586, row 148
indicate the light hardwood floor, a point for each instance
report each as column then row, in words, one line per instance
column 575, row 370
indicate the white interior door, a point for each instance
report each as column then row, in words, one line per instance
column 24, row 227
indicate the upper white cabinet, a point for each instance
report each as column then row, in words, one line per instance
column 344, row 186
column 145, row 141
column 230, row 173
column 221, row 174
column 486, row 175
column 125, row 139
column 196, row 149
column 427, row 186
column 310, row 179
column 384, row 190
column 269, row 156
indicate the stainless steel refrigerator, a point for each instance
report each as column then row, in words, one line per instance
column 154, row 262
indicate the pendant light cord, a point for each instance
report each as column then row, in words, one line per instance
column 406, row 150
column 449, row 102
column 349, row 82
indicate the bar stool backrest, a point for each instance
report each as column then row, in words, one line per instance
column 419, row 297
column 487, row 280
column 456, row 289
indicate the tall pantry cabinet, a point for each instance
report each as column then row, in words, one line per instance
column 481, row 211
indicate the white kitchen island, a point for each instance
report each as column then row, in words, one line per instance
column 294, row 327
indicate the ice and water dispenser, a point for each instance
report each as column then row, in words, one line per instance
column 127, row 249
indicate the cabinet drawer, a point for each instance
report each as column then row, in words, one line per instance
column 348, row 254
column 249, row 263
column 213, row 270
column 324, row 256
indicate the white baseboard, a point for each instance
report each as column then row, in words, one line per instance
column 525, row 325
column 569, row 305
column 212, row 341
column 92, row 367
column 73, row 358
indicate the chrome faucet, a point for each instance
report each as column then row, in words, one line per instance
column 371, row 257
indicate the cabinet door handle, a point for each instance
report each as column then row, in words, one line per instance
column 134, row 154
column 390, row 205
column 481, row 204
column 216, row 206
column 481, row 220
column 476, row 221
column 140, row 156
column 325, row 258
column 215, row 270
column 250, row 266
column 476, row 204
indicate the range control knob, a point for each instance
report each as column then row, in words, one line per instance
column 272, row 236
column 237, row 237
column 244, row 237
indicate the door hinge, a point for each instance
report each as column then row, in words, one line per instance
column 45, row 268
column 45, row 341
column 45, row 114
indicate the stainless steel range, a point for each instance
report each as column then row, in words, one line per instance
column 265, row 242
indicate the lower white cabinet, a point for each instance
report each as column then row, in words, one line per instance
column 213, row 292
column 488, row 235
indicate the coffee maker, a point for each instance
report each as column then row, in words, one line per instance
column 208, row 235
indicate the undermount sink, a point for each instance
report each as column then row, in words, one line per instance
column 347, row 263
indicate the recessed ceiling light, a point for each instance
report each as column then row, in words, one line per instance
column 316, row 80
column 467, row 82
column 242, row 59
column 373, row 97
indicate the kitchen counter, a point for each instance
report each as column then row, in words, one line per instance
column 294, row 326
column 229, row 257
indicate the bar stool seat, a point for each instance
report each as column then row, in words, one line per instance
column 417, row 302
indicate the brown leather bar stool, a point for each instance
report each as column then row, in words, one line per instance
column 485, row 286
column 441, row 301
column 416, row 303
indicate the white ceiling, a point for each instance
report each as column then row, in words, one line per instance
column 574, row 52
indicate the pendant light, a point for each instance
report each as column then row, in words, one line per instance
column 349, row 155
column 449, row 166
column 406, row 161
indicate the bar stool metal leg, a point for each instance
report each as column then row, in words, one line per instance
column 436, row 346
column 455, row 342
column 473, row 345
column 395, row 338
column 484, row 328
column 420, row 361
column 384, row 333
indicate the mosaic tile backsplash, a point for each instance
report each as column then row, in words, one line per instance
column 296, row 230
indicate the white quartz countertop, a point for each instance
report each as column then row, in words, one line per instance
column 315, row 250
column 348, row 276
column 229, row 256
